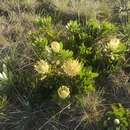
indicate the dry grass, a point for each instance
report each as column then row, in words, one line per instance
column 84, row 7
column 88, row 115
column 93, row 107
column 17, row 4
column 16, row 20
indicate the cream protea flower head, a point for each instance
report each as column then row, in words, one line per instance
column 72, row 67
column 55, row 46
column 114, row 44
column 41, row 67
column 63, row 92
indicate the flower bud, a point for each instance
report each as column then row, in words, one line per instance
column 116, row 121
column 55, row 46
column 63, row 92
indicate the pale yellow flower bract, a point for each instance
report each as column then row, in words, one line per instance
column 114, row 44
column 72, row 67
column 41, row 67
column 63, row 92
column 55, row 46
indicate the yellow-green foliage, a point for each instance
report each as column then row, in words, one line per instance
column 73, row 61
column 118, row 117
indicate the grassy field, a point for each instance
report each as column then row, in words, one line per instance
column 64, row 65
